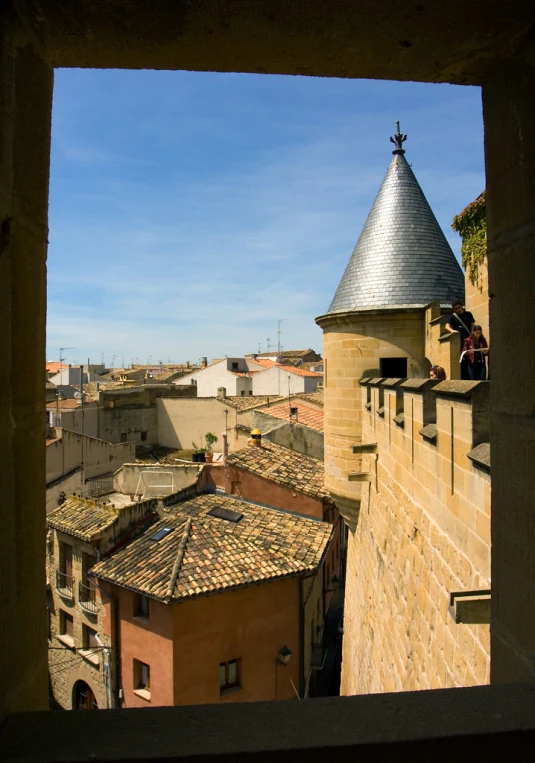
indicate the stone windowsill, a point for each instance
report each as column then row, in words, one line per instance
column 381, row 411
column 67, row 640
column 368, row 406
column 143, row 693
column 228, row 692
column 141, row 619
column 90, row 655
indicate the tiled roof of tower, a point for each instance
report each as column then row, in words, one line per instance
column 203, row 554
column 284, row 466
column 309, row 417
column 402, row 258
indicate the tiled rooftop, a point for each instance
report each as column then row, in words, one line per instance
column 312, row 397
column 283, row 353
column 53, row 366
column 64, row 405
column 251, row 401
column 203, row 554
column 307, row 416
column 82, row 518
column 288, row 468
column 300, row 371
column 266, row 362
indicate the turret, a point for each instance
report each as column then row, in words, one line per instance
column 375, row 325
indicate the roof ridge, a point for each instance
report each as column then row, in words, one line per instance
column 178, row 561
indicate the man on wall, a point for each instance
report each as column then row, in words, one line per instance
column 461, row 321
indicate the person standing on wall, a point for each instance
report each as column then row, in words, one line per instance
column 461, row 321
column 475, row 350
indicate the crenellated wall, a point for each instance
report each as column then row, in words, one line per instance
column 442, row 348
column 422, row 533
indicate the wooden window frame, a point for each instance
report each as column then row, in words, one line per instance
column 227, row 686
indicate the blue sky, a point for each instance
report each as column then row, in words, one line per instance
column 190, row 211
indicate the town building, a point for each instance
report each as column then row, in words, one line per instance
column 297, row 357
column 217, row 603
column 407, row 462
column 82, row 652
column 255, row 375
column 485, row 45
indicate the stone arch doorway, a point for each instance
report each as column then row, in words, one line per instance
column 83, row 697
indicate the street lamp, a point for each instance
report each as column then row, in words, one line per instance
column 284, row 655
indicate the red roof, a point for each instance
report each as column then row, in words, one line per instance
column 263, row 362
column 53, row 366
column 309, row 417
column 299, row 371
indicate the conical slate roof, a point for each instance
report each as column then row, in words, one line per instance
column 402, row 257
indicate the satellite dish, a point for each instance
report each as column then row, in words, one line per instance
column 78, row 395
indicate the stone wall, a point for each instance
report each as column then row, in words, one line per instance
column 423, row 532
column 290, row 434
column 477, row 296
column 99, row 457
column 126, row 479
column 68, row 661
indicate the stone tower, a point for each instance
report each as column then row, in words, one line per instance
column 375, row 325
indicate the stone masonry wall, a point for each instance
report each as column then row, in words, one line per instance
column 67, row 661
column 423, row 531
column 477, row 297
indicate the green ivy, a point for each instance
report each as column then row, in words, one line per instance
column 471, row 225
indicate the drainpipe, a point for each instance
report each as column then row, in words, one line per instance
column 114, row 694
column 107, row 670
column 225, row 446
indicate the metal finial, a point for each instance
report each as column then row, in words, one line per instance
column 398, row 140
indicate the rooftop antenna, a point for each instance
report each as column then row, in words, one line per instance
column 61, row 359
column 268, row 345
column 279, row 332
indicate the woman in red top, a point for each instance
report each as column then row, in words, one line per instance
column 476, row 349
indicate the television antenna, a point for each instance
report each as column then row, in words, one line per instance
column 279, row 332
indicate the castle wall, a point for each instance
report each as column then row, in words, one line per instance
column 423, row 531
column 477, row 296
column 353, row 347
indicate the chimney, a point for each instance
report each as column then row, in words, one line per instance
column 221, row 392
column 204, row 362
column 187, row 363
column 294, row 413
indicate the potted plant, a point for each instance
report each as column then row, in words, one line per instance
column 211, row 439
column 195, row 454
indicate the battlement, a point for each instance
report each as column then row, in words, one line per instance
column 421, row 536
column 432, row 439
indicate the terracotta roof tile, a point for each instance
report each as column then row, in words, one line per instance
column 82, row 518
column 303, row 474
column 53, row 366
column 311, row 397
column 203, row 554
column 307, row 416
column 251, row 401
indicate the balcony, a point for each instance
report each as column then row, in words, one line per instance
column 87, row 598
column 65, row 585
